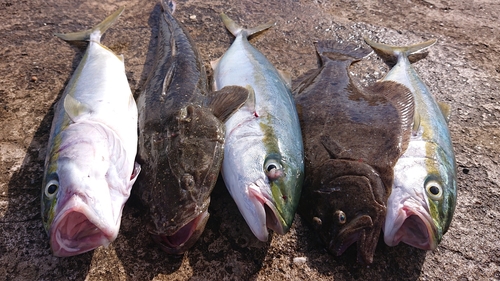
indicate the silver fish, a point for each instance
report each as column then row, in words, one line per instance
column 90, row 168
column 424, row 194
column 263, row 166
column 181, row 139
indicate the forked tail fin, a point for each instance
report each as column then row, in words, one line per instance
column 235, row 29
column 94, row 33
column 390, row 54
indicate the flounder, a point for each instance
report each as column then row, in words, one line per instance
column 181, row 137
column 353, row 137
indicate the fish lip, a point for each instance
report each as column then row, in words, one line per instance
column 267, row 215
column 190, row 232
column 362, row 230
column 413, row 218
column 75, row 209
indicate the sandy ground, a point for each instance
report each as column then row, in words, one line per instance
column 462, row 69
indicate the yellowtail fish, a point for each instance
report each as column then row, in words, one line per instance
column 424, row 194
column 263, row 165
column 181, row 137
column 352, row 139
column 90, row 168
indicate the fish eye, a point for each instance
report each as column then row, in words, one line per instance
column 273, row 169
column 317, row 221
column 51, row 188
column 340, row 216
column 434, row 190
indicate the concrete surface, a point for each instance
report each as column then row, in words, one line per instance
column 462, row 69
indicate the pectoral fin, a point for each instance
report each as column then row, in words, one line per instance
column 287, row 78
column 446, row 110
column 416, row 124
column 74, row 108
column 227, row 100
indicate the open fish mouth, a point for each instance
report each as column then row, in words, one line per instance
column 416, row 230
column 184, row 238
column 413, row 226
column 266, row 214
column 78, row 230
column 361, row 231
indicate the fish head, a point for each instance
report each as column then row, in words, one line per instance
column 343, row 201
column 264, row 182
column 179, row 195
column 84, row 191
column 422, row 202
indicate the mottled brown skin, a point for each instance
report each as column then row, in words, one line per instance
column 352, row 139
column 181, row 138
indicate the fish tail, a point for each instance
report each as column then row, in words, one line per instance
column 337, row 50
column 93, row 34
column 235, row 29
column 168, row 5
column 390, row 54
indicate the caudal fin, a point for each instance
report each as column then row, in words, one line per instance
column 94, row 33
column 235, row 29
column 341, row 51
column 391, row 53
column 168, row 5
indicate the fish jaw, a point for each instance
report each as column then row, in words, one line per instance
column 411, row 224
column 416, row 230
column 184, row 238
column 409, row 217
column 94, row 175
column 78, row 229
column 259, row 208
column 361, row 231
column 268, row 215
column 262, row 202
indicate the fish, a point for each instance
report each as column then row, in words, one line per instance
column 181, row 137
column 263, row 166
column 424, row 195
column 353, row 137
column 90, row 164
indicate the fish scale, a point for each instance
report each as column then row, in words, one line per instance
column 181, row 137
column 263, row 157
column 90, row 167
column 421, row 206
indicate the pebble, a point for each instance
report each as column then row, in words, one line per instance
column 299, row 260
